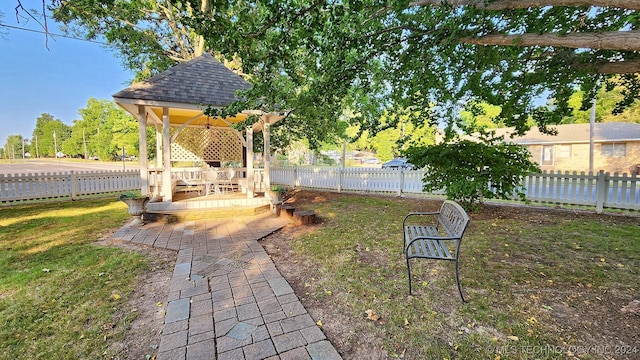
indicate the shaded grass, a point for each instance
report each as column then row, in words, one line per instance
column 519, row 269
column 61, row 296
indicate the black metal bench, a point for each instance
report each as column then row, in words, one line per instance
column 440, row 241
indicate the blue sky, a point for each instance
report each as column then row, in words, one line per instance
column 58, row 81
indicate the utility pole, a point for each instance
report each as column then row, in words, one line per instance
column 84, row 141
column 37, row 153
column 55, row 145
column 592, row 128
column 344, row 152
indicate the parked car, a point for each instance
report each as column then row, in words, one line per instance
column 372, row 161
column 125, row 158
column 397, row 163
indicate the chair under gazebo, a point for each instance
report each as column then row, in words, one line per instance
column 208, row 163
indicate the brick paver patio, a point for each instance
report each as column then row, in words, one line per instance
column 227, row 300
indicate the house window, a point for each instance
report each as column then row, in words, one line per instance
column 565, row 151
column 614, row 150
column 547, row 155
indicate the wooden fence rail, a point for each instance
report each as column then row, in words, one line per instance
column 73, row 185
column 601, row 190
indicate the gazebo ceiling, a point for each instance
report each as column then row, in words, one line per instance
column 179, row 117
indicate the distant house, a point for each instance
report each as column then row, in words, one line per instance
column 616, row 147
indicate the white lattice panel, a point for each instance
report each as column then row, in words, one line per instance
column 200, row 144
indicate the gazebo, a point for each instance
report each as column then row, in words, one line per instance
column 173, row 102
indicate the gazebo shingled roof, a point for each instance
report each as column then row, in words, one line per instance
column 202, row 80
column 186, row 90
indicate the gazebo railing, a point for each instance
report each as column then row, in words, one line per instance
column 197, row 174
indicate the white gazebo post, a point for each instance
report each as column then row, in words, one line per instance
column 142, row 140
column 250, row 171
column 266, row 133
column 166, row 156
column 159, row 163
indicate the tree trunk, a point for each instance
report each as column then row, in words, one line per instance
column 198, row 49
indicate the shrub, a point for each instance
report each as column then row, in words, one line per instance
column 471, row 171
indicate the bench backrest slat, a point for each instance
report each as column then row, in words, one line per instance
column 453, row 219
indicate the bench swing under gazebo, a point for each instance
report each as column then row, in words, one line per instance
column 201, row 162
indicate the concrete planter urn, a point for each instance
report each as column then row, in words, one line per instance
column 276, row 197
column 136, row 205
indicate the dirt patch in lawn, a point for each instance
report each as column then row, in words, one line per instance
column 589, row 316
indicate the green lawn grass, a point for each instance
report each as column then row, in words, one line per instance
column 62, row 296
column 522, row 271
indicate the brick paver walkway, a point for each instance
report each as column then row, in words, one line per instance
column 227, row 300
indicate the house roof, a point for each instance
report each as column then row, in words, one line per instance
column 577, row 133
column 200, row 81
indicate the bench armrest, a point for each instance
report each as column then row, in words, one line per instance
column 426, row 237
column 418, row 214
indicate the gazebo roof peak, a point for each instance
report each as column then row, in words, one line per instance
column 201, row 81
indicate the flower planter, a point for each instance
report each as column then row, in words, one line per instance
column 275, row 197
column 136, row 206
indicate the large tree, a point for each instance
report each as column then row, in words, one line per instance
column 431, row 58
column 105, row 129
column 48, row 135
column 148, row 35
column 437, row 57
column 15, row 145
column 606, row 108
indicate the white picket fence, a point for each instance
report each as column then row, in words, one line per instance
column 73, row 185
column 601, row 190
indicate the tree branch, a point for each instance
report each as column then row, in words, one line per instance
column 616, row 67
column 609, row 40
column 524, row 4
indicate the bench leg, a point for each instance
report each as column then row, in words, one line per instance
column 458, row 282
column 409, row 273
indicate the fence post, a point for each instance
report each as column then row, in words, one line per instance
column 602, row 184
column 340, row 178
column 2, row 187
column 73, row 184
column 401, row 182
column 295, row 177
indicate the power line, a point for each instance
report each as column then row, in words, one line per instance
column 50, row 34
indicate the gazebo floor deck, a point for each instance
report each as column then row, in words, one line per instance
column 194, row 206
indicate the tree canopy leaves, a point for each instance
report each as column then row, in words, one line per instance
column 103, row 130
column 429, row 59
column 48, row 135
